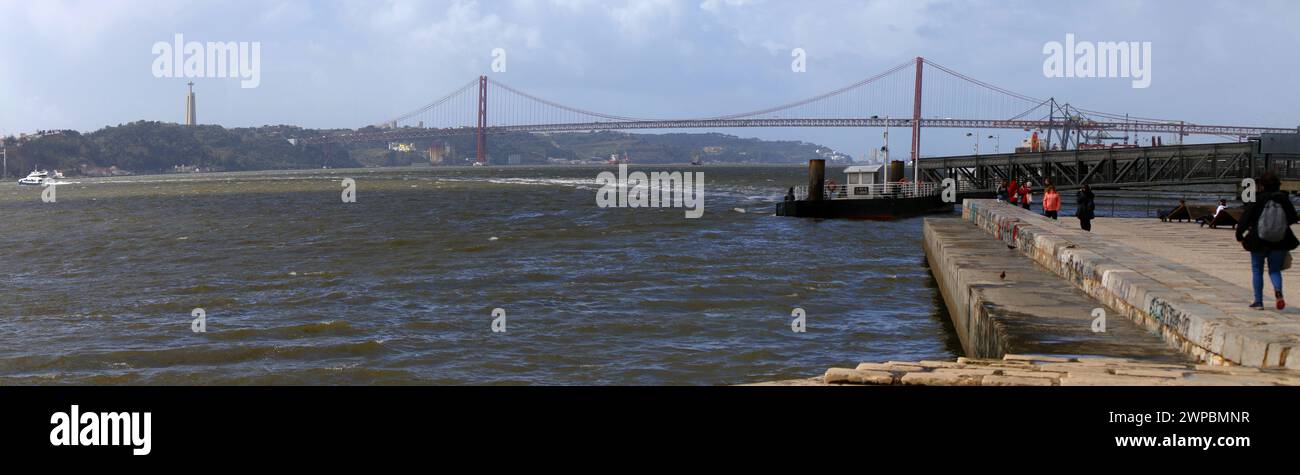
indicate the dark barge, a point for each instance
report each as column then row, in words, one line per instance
column 868, row 192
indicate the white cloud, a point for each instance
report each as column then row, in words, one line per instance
column 463, row 24
column 715, row 6
column 73, row 27
column 638, row 19
column 289, row 13
column 878, row 29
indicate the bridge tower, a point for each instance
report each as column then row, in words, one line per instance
column 481, row 157
column 916, row 123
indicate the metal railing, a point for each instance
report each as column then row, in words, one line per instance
column 875, row 190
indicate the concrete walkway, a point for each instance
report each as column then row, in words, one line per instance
column 1213, row 251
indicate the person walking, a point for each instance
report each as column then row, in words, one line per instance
column 1086, row 203
column 1026, row 194
column 1265, row 231
column 1051, row 202
column 1013, row 192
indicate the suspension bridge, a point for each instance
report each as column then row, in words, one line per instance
column 916, row 94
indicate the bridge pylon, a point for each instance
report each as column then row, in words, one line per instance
column 481, row 156
column 916, row 122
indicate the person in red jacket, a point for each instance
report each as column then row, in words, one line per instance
column 1026, row 195
column 1051, row 202
column 1013, row 192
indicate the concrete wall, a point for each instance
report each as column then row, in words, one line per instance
column 1002, row 303
column 961, row 281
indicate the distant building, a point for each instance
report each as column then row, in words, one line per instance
column 191, row 117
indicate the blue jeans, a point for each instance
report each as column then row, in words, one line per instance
column 1257, row 259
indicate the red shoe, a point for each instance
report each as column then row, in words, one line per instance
column 1281, row 303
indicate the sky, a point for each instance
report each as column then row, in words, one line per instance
column 70, row 64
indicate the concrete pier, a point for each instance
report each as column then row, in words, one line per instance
column 1200, row 314
column 1002, row 303
column 1021, row 290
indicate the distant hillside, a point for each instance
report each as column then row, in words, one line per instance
column 156, row 147
column 679, row 148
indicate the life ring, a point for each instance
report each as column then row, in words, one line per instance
column 831, row 185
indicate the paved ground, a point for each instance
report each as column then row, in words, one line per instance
column 1212, row 251
column 1033, row 370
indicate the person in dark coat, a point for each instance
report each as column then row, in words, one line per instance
column 1262, row 251
column 1086, row 203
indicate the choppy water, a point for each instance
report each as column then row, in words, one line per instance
column 300, row 288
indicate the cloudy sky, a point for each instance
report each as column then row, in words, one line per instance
column 87, row 64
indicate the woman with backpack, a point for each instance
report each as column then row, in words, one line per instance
column 1265, row 231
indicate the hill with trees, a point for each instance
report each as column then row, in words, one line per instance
column 157, row 147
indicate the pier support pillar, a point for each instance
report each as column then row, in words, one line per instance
column 816, row 178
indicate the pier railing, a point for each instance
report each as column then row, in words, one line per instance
column 1133, row 168
column 875, row 190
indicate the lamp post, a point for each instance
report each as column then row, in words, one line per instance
column 885, row 161
column 997, row 143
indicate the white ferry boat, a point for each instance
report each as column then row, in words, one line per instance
column 36, row 177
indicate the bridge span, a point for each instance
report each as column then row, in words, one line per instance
column 915, row 94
